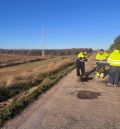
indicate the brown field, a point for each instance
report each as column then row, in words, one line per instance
column 15, row 59
column 21, row 70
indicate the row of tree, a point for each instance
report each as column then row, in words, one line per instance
column 116, row 44
column 50, row 52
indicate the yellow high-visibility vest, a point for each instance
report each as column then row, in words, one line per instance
column 114, row 58
column 101, row 57
column 106, row 54
column 81, row 55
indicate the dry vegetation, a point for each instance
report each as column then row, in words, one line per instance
column 15, row 59
column 21, row 83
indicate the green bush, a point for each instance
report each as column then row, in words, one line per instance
column 116, row 44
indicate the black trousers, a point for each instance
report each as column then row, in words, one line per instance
column 80, row 68
column 114, row 74
column 100, row 65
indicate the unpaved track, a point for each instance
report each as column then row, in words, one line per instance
column 60, row 108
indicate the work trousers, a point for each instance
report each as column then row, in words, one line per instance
column 100, row 65
column 80, row 68
column 114, row 75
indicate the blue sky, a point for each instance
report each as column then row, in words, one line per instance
column 67, row 23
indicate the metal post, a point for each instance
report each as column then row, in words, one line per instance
column 42, row 42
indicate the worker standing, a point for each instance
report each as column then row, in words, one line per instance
column 114, row 71
column 100, row 59
column 80, row 64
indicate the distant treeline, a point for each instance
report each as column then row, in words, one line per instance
column 51, row 52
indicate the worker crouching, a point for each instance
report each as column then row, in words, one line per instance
column 80, row 64
column 100, row 59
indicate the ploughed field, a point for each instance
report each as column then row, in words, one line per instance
column 19, row 84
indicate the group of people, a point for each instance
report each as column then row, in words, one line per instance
column 104, row 60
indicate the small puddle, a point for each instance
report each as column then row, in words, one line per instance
column 88, row 94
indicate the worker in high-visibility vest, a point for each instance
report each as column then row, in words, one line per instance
column 114, row 71
column 101, row 58
column 80, row 63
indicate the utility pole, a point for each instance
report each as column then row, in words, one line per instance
column 42, row 42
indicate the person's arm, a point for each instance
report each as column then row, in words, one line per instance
column 108, row 60
column 97, row 59
column 80, row 58
column 85, row 59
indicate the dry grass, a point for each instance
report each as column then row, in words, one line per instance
column 16, row 59
column 37, row 75
column 8, row 73
column 16, row 79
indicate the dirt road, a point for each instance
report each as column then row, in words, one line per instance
column 62, row 108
